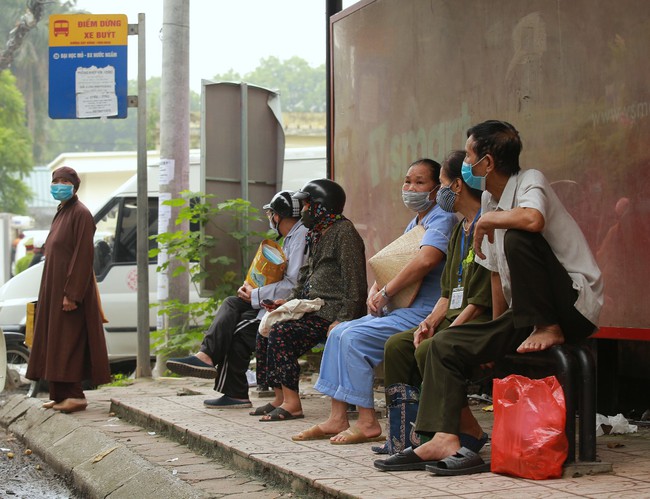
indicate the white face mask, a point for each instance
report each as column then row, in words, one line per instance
column 274, row 226
column 417, row 201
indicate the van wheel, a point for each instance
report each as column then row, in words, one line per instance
column 35, row 388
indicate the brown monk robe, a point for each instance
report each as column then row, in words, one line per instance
column 69, row 346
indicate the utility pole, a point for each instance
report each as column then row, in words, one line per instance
column 174, row 144
column 143, row 366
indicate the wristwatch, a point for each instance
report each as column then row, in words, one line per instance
column 384, row 293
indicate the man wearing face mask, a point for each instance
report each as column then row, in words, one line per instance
column 546, row 287
column 230, row 340
column 69, row 344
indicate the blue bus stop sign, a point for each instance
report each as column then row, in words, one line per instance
column 88, row 66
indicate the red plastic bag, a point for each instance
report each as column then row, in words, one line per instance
column 528, row 438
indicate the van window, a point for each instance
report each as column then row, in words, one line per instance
column 126, row 240
column 106, row 224
column 116, row 234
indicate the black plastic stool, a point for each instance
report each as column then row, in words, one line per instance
column 575, row 369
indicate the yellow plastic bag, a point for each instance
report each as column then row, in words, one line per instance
column 30, row 317
column 268, row 266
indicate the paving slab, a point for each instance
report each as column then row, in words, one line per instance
column 226, row 452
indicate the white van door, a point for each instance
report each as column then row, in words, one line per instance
column 116, row 271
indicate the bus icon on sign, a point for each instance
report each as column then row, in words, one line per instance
column 61, row 27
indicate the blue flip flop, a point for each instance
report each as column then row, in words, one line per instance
column 464, row 462
column 380, row 449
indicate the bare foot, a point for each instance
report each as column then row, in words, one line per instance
column 442, row 445
column 294, row 409
column 334, row 426
column 542, row 338
column 358, row 429
column 204, row 357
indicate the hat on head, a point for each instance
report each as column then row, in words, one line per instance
column 67, row 173
column 284, row 205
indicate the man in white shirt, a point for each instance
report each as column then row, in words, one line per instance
column 230, row 340
column 546, row 289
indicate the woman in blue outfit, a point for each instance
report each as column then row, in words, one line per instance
column 466, row 298
column 354, row 348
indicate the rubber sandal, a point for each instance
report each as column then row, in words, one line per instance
column 313, row 433
column 464, row 462
column 280, row 414
column 472, row 443
column 354, row 435
column 192, row 366
column 407, row 460
column 262, row 410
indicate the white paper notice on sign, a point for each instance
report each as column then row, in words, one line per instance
column 95, row 92
column 164, row 217
column 166, row 173
column 164, row 212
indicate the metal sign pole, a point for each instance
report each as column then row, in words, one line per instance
column 143, row 367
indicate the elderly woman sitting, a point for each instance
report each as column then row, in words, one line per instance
column 335, row 271
column 354, row 348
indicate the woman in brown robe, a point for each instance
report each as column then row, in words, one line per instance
column 69, row 344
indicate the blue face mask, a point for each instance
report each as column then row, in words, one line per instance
column 62, row 192
column 470, row 179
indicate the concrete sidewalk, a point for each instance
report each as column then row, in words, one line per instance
column 226, row 452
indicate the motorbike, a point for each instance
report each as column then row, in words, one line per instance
column 14, row 356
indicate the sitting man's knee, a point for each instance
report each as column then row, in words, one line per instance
column 514, row 237
column 443, row 343
column 421, row 351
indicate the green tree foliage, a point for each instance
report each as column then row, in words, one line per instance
column 15, row 147
column 53, row 137
column 30, row 64
column 302, row 88
column 199, row 256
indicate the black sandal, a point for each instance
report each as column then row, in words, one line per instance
column 280, row 414
column 263, row 410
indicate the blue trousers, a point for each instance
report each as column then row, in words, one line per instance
column 354, row 348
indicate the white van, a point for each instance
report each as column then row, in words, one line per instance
column 115, row 268
column 115, row 255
